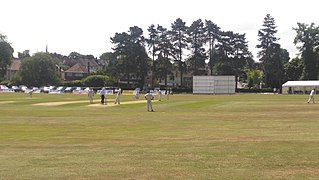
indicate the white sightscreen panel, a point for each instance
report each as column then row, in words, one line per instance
column 214, row 84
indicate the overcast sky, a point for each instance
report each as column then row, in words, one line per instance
column 85, row 26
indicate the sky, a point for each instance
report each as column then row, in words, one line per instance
column 86, row 26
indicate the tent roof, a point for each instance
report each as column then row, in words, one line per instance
column 300, row 83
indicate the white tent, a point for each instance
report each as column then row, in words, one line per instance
column 299, row 86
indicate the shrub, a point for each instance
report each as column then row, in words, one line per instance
column 76, row 83
column 96, row 81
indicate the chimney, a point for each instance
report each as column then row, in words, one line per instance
column 89, row 67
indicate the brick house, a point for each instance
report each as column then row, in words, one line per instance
column 81, row 69
column 12, row 69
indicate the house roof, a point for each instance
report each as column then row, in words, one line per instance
column 15, row 65
column 301, row 84
column 84, row 62
column 77, row 68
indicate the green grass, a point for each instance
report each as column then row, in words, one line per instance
column 243, row 136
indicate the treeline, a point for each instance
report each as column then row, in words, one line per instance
column 203, row 48
column 203, row 44
column 186, row 49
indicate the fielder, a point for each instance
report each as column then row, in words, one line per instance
column 91, row 95
column 118, row 96
column 30, row 93
column 149, row 97
column 312, row 96
column 136, row 93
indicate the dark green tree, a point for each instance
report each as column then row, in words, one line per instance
column 294, row 69
column 164, row 67
column 123, row 51
column 109, row 66
column 165, row 48
column 108, row 59
column 307, row 39
column 222, row 54
column 271, row 54
column 242, row 58
column 6, row 52
column 196, row 38
column 96, row 81
column 179, row 40
column 152, row 42
column 284, row 56
column 76, row 56
column 24, row 54
column 38, row 70
column 233, row 54
column 132, row 59
column 273, row 67
column 142, row 64
column 196, row 62
column 212, row 34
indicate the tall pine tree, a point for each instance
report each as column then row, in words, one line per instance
column 196, row 37
column 270, row 54
column 179, row 41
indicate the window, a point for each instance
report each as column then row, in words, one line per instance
column 78, row 75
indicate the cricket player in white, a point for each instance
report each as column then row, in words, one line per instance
column 312, row 96
column 149, row 97
column 91, row 95
column 136, row 93
column 118, row 96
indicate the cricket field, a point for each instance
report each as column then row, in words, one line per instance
column 239, row 136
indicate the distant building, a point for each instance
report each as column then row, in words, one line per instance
column 12, row 69
column 76, row 72
column 81, row 69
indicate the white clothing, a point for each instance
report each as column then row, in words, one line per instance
column 118, row 96
column 91, row 95
column 103, row 91
column 159, row 95
column 149, row 97
column 136, row 94
column 312, row 96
